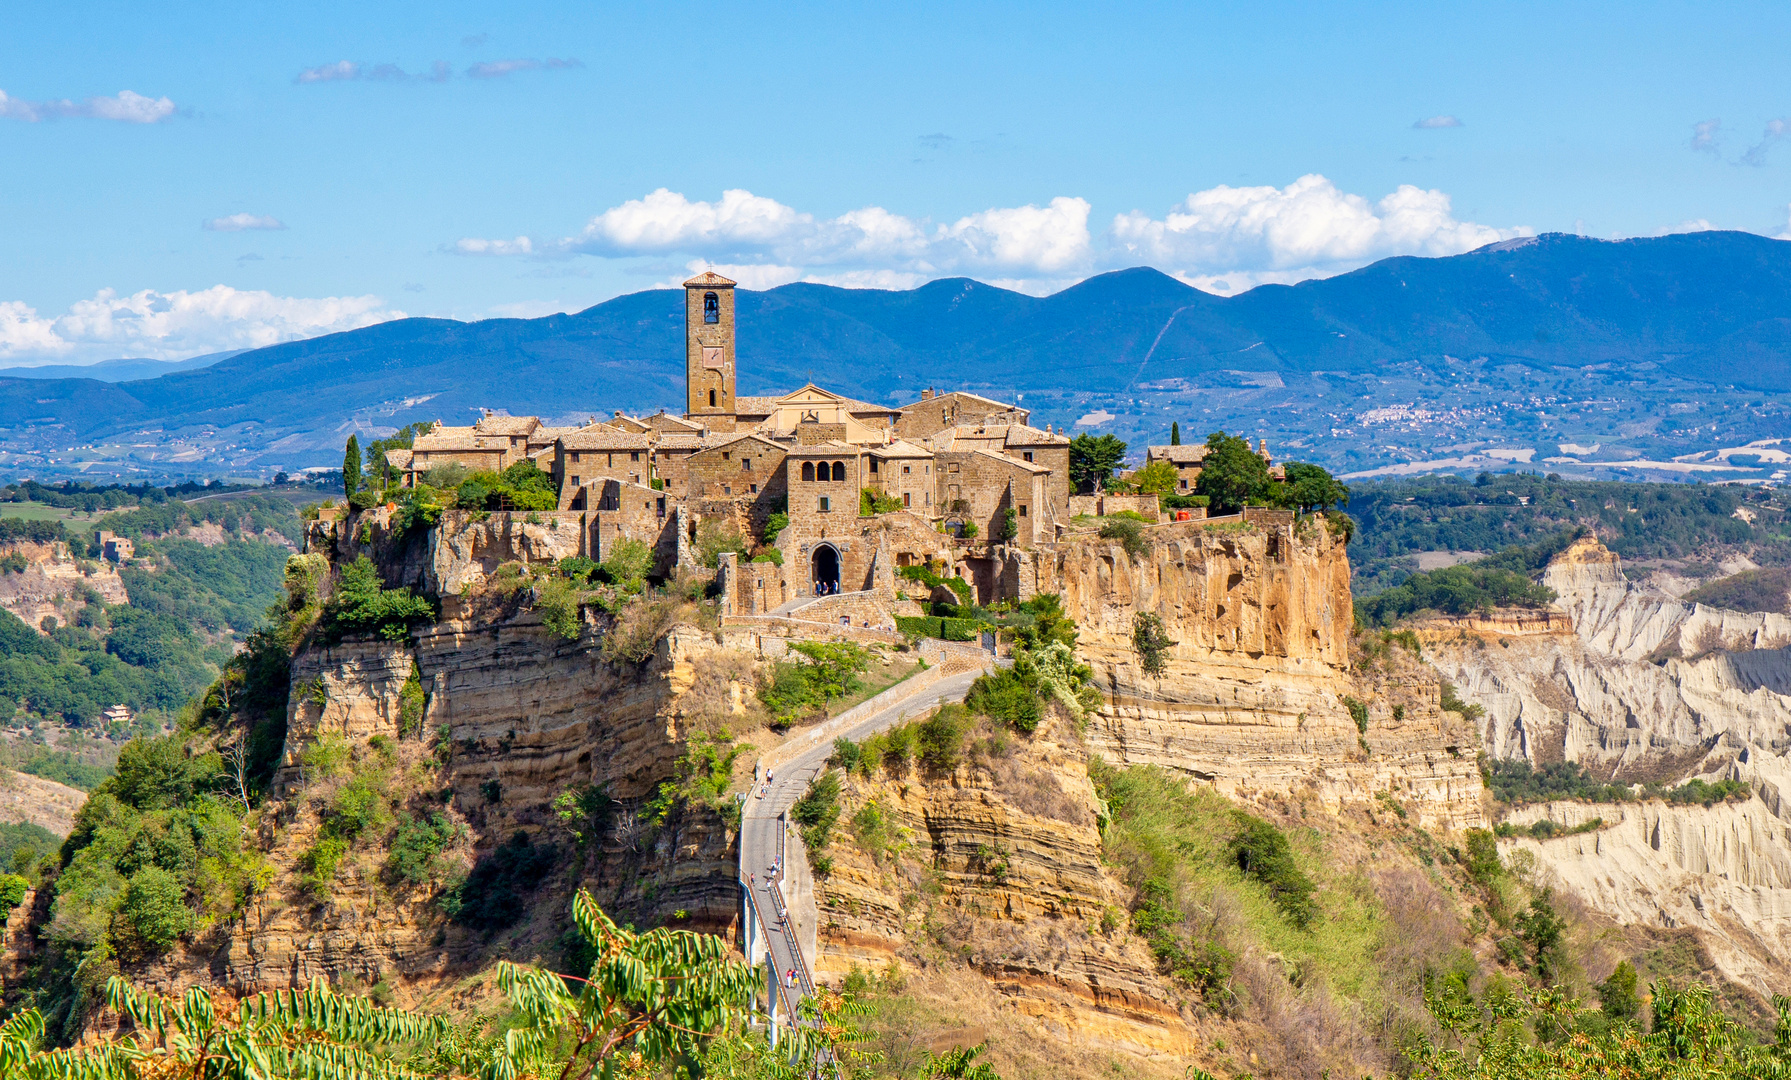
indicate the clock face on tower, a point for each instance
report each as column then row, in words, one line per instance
column 712, row 357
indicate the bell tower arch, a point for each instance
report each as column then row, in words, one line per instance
column 709, row 346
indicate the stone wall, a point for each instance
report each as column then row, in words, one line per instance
column 868, row 609
column 1105, row 503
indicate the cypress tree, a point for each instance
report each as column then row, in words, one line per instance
column 1175, row 433
column 351, row 468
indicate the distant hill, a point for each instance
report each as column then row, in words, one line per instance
column 1712, row 306
column 117, row 370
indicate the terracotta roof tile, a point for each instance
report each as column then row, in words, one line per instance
column 601, row 438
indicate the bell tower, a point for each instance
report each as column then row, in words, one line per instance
column 709, row 347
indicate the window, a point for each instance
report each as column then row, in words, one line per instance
column 575, row 481
column 839, row 471
column 1184, row 485
column 636, row 456
column 907, row 500
column 724, row 455
column 746, row 463
column 808, row 470
column 727, row 489
column 873, row 466
column 1022, row 510
column 1027, row 455
column 953, row 467
column 711, row 311
column 575, row 457
column 826, row 504
column 906, row 469
column 712, row 399
column 755, row 489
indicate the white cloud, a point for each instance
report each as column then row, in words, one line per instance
column 1706, row 133
column 348, row 70
column 1048, row 239
column 1690, row 226
column 126, row 106
column 1223, row 239
column 522, row 245
column 497, row 69
column 175, row 324
column 339, row 71
column 872, row 246
column 1775, row 132
column 1437, row 122
column 241, row 222
column 1307, row 229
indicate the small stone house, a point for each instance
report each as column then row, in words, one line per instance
column 935, row 412
column 591, row 455
column 904, row 470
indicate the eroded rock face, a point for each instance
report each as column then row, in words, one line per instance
column 1724, row 870
column 53, row 584
column 520, row 715
column 1003, row 859
column 1252, row 693
column 1641, row 687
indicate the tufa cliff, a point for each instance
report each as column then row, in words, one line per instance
column 1639, row 687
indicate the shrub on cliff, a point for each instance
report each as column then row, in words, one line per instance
column 1129, row 531
column 818, row 811
column 363, row 605
column 715, row 536
column 822, row 672
column 1262, row 852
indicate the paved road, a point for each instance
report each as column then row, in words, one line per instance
column 760, row 825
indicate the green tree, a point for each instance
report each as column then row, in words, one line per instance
column 1232, row 474
column 351, row 468
column 315, row 1034
column 1543, row 930
column 1156, row 478
column 12, row 891
column 1093, row 459
column 1175, row 433
column 1309, row 488
column 660, row 994
column 1617, row 995
column 155, row 910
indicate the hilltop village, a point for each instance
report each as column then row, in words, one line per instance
column 835, row 494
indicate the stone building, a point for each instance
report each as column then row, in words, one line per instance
column 709, row 351
column 594, row 454
column 1186, row 460
column 903, row 470
column 947, row 461
column 935, row 412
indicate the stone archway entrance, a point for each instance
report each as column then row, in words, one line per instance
column 826, row 561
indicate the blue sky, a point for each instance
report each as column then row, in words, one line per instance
column 179, row 179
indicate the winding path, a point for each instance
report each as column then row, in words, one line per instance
column 780, row 907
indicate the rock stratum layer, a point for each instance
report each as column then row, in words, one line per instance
column 1640, row 687
column 1253, row 693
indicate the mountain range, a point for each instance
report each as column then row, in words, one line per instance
column 1711, row 307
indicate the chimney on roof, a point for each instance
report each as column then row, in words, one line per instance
column 926, row 394
column 1262, row 447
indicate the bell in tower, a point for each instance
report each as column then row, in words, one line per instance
column 709, row 350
